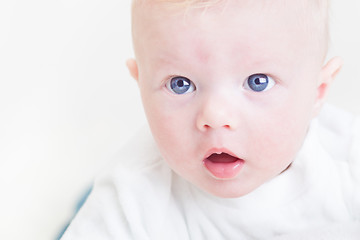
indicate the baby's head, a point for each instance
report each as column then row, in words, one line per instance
column 229, row 87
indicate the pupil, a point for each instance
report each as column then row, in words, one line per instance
column 180, row 83
column 257, row 81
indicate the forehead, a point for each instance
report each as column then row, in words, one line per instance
column 309, row 9
column 254, row 25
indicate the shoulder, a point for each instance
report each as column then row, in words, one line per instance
column 128, row 197
column 339, row 134
column 337, row 131
column 355, row 145
column 138, row 167
column 137, row 171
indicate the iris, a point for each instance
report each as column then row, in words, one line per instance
column 180, row 85
column 258, row 82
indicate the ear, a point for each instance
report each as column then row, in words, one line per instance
column 133, row 68
column 327, row 75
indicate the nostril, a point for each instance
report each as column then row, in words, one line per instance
column 206, row 127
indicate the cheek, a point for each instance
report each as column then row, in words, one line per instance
column 171, row 128
column 280, row 132
column 175, row 142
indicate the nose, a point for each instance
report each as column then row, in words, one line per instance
column 216, row 113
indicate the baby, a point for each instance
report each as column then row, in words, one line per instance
column 232, row 90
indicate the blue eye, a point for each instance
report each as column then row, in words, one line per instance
column 259, row 82
column 180, row 85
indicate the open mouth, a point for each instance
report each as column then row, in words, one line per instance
column 223, row 165
column 222, row 158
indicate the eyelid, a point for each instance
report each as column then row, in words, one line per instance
column 275, row 78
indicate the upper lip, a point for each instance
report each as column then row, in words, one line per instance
column 219, row 151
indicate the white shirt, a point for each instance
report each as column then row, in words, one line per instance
column 318, row 197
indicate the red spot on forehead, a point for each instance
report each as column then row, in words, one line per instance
column 202, row 52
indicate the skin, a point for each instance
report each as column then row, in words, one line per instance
column 218, row 49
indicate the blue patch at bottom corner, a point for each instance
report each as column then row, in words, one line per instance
column 78, row 205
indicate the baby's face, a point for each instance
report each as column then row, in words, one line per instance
column 228, row 92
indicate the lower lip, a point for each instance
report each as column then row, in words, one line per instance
column 224, row 170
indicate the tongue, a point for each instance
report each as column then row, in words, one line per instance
column 222, row 158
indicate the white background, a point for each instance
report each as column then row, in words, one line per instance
column 67, row 102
